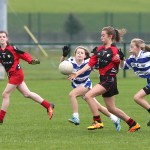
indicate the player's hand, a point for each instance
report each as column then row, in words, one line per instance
column 116, row 58
column 35, row 61
column 121, row 55
column 94, row 50
column 66, row 50
column 72, row 76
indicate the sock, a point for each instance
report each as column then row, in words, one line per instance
column 148, row 110
column 131, row 122
column 2, row 114
column 113, row 118
column 45, row 104
column 97, row 118
column 76, row 115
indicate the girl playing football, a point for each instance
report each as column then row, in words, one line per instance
column 10, row 57
column 83, row 84
column 106, row 56
column 139, row 61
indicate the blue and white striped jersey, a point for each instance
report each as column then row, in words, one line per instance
column 82, row 79
column 140, row 64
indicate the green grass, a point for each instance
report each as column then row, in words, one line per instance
column 27, row 125
column 78, row 6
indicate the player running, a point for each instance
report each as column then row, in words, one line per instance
column 10, row 57
column 139, row 61
column 106, row 57
column 83, row 84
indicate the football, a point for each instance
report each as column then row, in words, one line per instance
column 65, row 67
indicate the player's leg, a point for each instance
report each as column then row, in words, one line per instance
column 89, row 96
column 112, row 117
column 139, row 98
column 5, row 102
column 78, row 91
column 102, row 109
column 37, row 98
column 110, row 103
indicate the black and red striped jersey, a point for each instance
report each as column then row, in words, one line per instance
column 106, row 60
column 10, row 58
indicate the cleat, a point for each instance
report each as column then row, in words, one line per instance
column 50, row 110
column 1, row 122
column 74, row 120
column 117, row 124
column 96, row 125
column 134, row 128
column 148, row 124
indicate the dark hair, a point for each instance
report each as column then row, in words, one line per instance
column 117, row 34
column 1, row 31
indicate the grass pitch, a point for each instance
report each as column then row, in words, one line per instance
column 27, row 125
column 78, row 6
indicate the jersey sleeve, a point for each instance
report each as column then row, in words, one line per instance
column 93, row 61
column 23, row 55
column 115, row 59
column 127, row 64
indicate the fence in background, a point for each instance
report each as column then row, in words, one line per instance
column 49, row 27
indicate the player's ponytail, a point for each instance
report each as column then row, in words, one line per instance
column 117, row 34
column 147, row 48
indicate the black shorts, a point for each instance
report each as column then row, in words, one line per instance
column 147, row 88
column 110, row 84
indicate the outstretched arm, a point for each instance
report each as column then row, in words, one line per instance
column 75, row 74
column 122, row 64
column 62, row 58
column 122, row 58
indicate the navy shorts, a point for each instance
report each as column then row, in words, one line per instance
column 147, row 88
column 110, row 84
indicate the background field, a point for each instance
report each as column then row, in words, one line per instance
column 84, row 6
column 27, row 126
column 46, row 20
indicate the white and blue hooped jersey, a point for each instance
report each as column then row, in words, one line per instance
column 140, row 64
column 82, row 79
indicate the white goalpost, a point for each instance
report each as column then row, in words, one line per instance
column 3, row 14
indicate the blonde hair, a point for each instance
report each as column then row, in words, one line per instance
column 140, row 44
column 87, row 53
column 117, row 34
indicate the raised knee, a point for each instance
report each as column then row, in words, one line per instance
column 4, row 95
column 26, row 95
column 86, row 97
column 111, row 110
column 136, row 98
column 70, row 94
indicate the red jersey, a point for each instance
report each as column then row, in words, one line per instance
column 10, row 58
column 105, row 58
